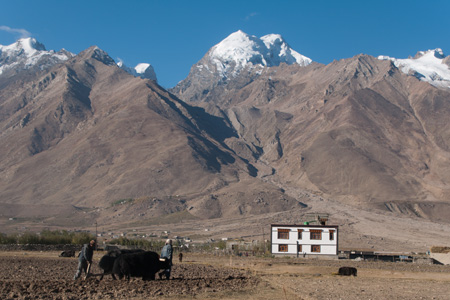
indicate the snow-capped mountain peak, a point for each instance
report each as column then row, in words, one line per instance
column 437, row 53
column 30, row 45
column 27, row 53
column 278, row 48
column 26, row 46
column 142, row 70
column 239, row 50
column 427, row 66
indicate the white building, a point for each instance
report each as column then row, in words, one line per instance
column 304, row 240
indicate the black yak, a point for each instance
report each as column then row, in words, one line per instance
column 347, row 271
column 67, row 253
column 107, row 261
column 143, row 264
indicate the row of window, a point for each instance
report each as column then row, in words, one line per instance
column 284, row 248
column 314, row 234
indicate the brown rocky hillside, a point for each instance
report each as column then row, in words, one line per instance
column 85, row 135
column 357, row 130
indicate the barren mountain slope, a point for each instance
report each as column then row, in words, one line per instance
column 357, row 130
column 87, row 134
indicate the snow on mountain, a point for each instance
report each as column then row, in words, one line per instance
column 142, row 70
column 281, row 52
column 27, row 53
column 428, row 66
column 145, row 71
column 240, row 50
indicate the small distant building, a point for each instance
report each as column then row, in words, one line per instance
column 242, row 245
column 312, row 238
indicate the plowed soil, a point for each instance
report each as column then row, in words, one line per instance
column 25, row 277
column 38, row 275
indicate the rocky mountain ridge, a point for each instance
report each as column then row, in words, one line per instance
column 238, row 57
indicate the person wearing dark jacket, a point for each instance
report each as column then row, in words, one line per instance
column 166, row 253
column 85, row 259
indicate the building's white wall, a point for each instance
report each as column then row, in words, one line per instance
column 327, row 246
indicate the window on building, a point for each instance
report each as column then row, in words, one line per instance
column 282, row 248
column 283, row 234
column 315, row 234
column 300, row 232
column 299, row 248
column 315, row 248
column 331, row 235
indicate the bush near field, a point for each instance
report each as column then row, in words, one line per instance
column 47, row 237
column 440, row 249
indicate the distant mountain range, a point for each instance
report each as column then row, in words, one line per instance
column 228, row 58
column 252, row 120
column 27, row 53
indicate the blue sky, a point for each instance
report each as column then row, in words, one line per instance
column 174, row 35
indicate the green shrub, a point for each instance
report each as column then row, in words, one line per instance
column 8, row 239
column 56, row 237
column 140, row 243
column 47, row 237
column 29, row 238
column 80, row 238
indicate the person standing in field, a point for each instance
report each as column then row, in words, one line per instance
column 85, row 259
column 166, row 253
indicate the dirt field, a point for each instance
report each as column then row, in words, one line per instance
column 43, row 275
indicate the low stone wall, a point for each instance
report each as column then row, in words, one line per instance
column 38, row 247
